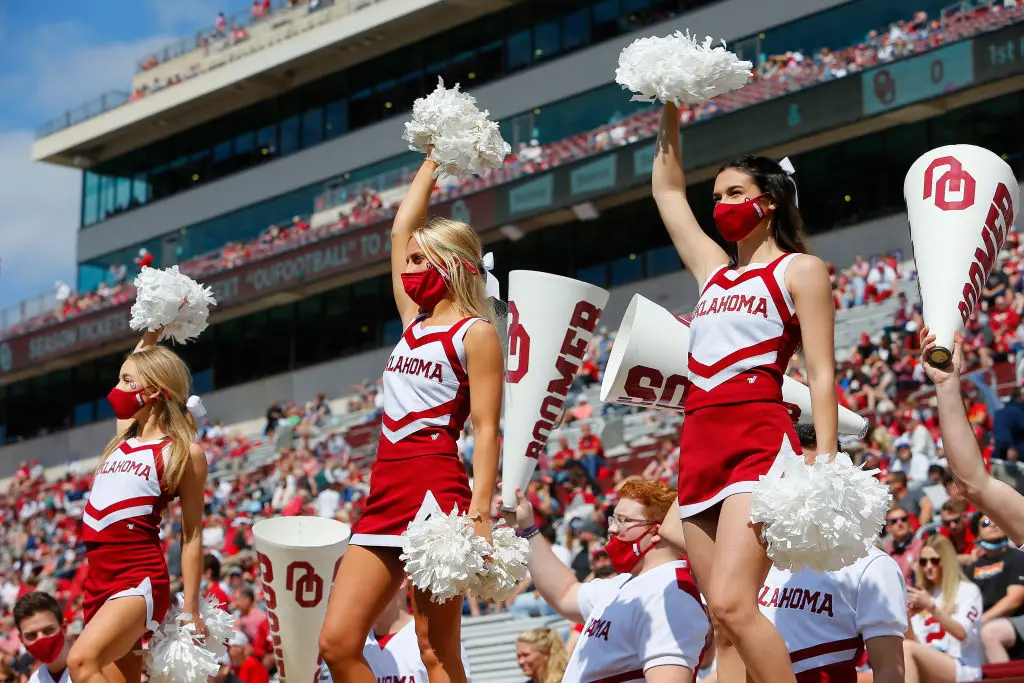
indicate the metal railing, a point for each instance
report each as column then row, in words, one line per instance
column 205, row 39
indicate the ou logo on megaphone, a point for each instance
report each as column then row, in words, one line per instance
column 955, row 181
column 518, row 346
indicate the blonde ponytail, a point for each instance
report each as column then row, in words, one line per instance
column 159, row 367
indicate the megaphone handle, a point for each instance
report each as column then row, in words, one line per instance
column 939, row 357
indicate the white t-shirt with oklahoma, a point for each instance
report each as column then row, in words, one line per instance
column 826, row 617
column 967, row 612
column 636, row 623
column 395, row 658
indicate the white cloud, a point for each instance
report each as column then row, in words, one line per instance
column 188, row 15
column 38, row 223
column 67, row 71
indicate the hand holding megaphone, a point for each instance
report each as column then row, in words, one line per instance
column 940, row 374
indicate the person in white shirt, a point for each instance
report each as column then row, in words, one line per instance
column 391, row 649
column 944, row 644
column 912, row 463
column 827, row 619
column 921, row 440
column 1003, row 504
column 40, row 623
column 645, row 624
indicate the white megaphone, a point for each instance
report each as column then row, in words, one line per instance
column 647, row 366
column 298, row 558
column 551, row 321
column 961, row 202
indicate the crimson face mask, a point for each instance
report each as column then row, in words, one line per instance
column 426, row 288
column 736, row 221
column 624, row 555
column 46, row 649
column 125, row 403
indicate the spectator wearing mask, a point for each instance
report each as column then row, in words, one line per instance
column 40, row 623
column 900, row 542
column 999, row 573
column 955, row 527
column 1008, row 428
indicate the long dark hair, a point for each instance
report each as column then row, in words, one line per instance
column 787, row 226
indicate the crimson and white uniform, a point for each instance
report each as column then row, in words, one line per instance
column 426, row 403
column 121, row 530
column 395, row 658
column 967, row 612
column 826, row 617
column 742, row 334
column 635, row 623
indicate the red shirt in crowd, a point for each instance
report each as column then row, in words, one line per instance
column 213, row 590
column 253, row 671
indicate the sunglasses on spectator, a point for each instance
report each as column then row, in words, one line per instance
column 986, row 523
column 951, row 522
column 925, row 561
column 896, row 520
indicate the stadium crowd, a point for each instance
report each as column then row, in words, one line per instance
column 370, row 202
column 311, row 462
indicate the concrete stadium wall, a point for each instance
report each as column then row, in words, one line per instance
column 677, row 291
column 557, row 80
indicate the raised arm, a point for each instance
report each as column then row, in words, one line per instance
column 148, row 341
column 700, row 254
column 555, row 582
column 412, row 213
column 995, row 498
column 808, row 281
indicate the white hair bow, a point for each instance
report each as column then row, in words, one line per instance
column 492, row 288
column 196, row 407
column 787, row 166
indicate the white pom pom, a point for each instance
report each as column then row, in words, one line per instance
column 464, row 140
column 506, row 566
column 678, row 69
column 176, row 655
column 825, row 516
column 173, row 301
column 442, row 555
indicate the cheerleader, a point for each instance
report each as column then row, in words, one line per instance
column 755, row 308
column 152, row 459
column 448, row 346
column 1003, row 504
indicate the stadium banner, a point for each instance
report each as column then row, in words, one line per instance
column 750, row 130
column 531, row 195
column 917, row 79
column 999, row 54
column 594, row 176
column 328, row 257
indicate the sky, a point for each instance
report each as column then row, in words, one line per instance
column 54, row 56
